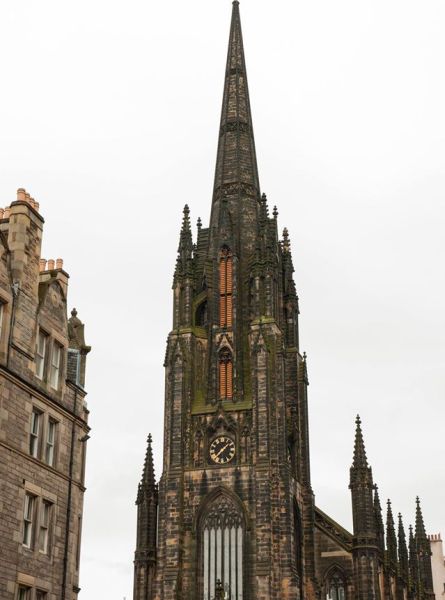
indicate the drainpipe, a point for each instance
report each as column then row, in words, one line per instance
column 68, row 509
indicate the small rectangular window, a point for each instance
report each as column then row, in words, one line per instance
column 50, row 442
column 35, row 433
column 28, row 520
column 44, row 529
column 79, row 532
column 24, row 593
column 41, row 595
column 55, row 366
column 41, row 354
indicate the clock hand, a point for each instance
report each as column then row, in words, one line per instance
column 222, row 450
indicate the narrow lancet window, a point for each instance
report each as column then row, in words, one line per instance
column 222, row 536
column 225, row 374
column 225, row 288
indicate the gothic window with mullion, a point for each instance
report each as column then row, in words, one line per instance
column 335, row 586
column 222, row 533
column 226, row 288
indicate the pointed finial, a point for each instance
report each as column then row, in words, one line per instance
column 275, row 212
column 199, row 223
column 148, row 482
column 286, row 240
column 391, row 540
column 264, row 211
column 360, row 459
column 304, row 356
column 377, row 505
column 420, row 532
column 402, row 550
column 74, row 313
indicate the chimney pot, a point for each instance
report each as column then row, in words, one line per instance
column 59, row 263
column 36, row 206
column 50, row 264
column 7, row 211
column 42, row 264
column 27, row 198
column 21, row 195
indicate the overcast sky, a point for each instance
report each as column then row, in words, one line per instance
column 109, row 116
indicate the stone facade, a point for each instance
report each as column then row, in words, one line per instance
column 438, row 565
column 233, row 514
column 43, row 416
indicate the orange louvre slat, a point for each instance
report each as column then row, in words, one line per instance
column 222, row 380
column 222, row 311
column 229, row 311
column 222, row 277
column 229, row 276
column 229, row 380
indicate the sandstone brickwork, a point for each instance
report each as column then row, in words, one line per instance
column 43, row 416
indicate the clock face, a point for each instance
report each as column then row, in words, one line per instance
column 222, row 450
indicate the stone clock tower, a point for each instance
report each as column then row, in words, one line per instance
column 233, row 516
column 235, row 506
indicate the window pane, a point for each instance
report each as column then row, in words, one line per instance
column 40, row 354
column 24, row 593
column 28, row 519
column 50, row 443
column 55, row 366
column 34, row 437
column 45, row 516
column 41, row 595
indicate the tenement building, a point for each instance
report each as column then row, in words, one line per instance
column 233, row 514
column 43, row 416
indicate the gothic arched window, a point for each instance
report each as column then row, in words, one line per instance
column 335, row 586
column 225, row 288
column 225, row 374
column 222, row 543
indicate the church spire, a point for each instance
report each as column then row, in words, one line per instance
column 236, row 166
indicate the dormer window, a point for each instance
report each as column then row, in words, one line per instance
column 225, row 288
column 225, row 374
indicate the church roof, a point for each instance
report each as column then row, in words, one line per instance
column 331, row 528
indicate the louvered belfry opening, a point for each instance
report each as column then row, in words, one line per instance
column 225, row 288
column 225, row 374
column 222, row 540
